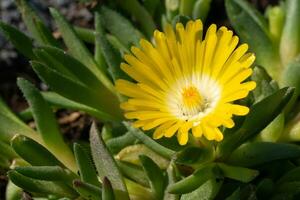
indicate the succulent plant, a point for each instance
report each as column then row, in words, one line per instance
column 248, row 155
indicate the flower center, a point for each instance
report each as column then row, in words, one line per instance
column 191, row 97
column 194, row 97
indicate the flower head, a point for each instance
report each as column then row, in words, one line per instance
column 185, row 84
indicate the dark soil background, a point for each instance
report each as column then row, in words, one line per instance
column 13, row 65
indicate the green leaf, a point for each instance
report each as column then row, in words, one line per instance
column 201, row 9
column 46, row 124
column 131, row 154
column 107, row 190
column 290, row 78
column 152, row 6
column 116, row 144
column 172, row 178
column 105, row 163
column 151, row 144
column 238, row 173
column 79, row 51
column 194, row 156
column 172, row 9
column 249, row 24
column 41, row 187
column 264, row 188
column 32, row 152
column 290, row 176
column 47, row 173
column 87, row 190
column 265, row 86
column 35, row 25
column 276, row 17
column 70, row 89
column 13, row 192
column 258, row 153
column 140, row 14
column 86, row 168
column 85, row 34
column 186, row 7
column 207, row 191
column 59, row 101
column 290, row 39
column 198, row 178
column 261, row 114
column 7, row 151
column 235, row 195
column 20, row 41
column 65, row 64
column 133, row 172
column 120, row 27
column 111, row 55
column 155, row 176
column 12, row 125
column 289, row 188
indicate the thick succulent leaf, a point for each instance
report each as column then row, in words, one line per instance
column 172, row 178
column 116, row 144
column 258, row 153
column 12, row 125
column 265, row 86
column 238, row 173
column 70, row 89
column 65, row 64
column 20, row 41
column 150, row 143
column 195, row 180
column 47, row 173
column 85, row 34
column 120, row 27
column 292, row 175
column 186, row 7
column 265, row 188
column 32, row 152
column 194, row 156
column 290, row 39
column 155, row 176
column 133, row 172
column 290, row 77
column 288, row 189
column 41, row 187
column 111, row 55
column 261, row 114
column 140, row 14
column 207, row 191
column 7, row 151
column 84, row 162
column 131, row 154
column 46, row 124
column 201, row 9
column 87, row 190
column 107, row 190
column 249, row 24
column 59, row 101
column 105, row 164
column 35, row 25
column 79, row 51
column 13, row 192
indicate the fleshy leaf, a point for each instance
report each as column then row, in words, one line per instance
column 258, row 153
column 105, row 164
column 84, row 162
column 155, row 176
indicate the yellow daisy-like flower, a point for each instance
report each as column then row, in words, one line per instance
column 186, row 84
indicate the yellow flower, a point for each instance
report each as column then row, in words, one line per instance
column 185, row 84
